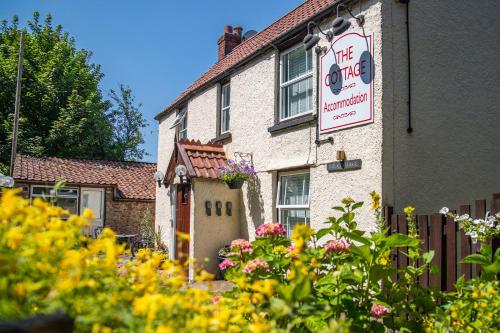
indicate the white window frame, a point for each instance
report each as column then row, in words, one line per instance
column 292, row 207
column 289, row 83
column 49, row 195
column 182, row 126
column 223, row 109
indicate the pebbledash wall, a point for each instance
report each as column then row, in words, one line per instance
column 451, row 156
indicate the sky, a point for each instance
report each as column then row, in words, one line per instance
column 158, row 48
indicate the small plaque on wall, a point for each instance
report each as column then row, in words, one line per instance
column 344, row 165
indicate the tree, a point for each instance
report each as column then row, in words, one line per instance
column 127, row 122
column 63, row 111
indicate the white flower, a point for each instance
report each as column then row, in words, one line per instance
column 498, row 215
column 490, row 224
column 473, row 234
column 482, row 229
column 498, row 226
column 491, row 218
column 477, row 221
column 444, row 211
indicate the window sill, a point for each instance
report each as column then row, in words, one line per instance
column 291, row 123
column 221, row 138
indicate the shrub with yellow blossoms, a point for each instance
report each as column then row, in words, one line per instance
column 47, row 264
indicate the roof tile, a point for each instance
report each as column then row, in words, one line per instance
column 134, row 180
column 257, row 42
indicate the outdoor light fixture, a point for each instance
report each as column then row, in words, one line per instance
column 218, row 208
column 340, row 25
column 6, row 181
column 341, row 155
column 181, row 171
column 208, row 207
column 159, row 177
column 229, row 208
column 311, row 40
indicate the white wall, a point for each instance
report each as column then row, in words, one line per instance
column 453, row 155
column 252, row 112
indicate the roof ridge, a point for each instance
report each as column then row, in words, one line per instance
column 82, row 159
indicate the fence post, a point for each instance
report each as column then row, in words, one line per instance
column 403, row 229
column 423, row 231
column 436, row 244
column 465, row 246
column 451, row 253
column 495, row 208
column 479, row 213
column 395, row 254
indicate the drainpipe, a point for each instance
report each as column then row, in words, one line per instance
column 409, row 129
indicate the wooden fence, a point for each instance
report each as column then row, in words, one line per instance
column 450, row 245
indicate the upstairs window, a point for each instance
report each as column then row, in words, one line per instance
column 293, row 199
column 295, row 82
column 182, row 124
column 225, row 108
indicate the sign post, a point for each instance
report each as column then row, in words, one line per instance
column 346, row 83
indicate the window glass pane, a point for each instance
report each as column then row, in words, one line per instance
column 42, row 191
column 226, row 95
column 291, row 217
column 68, row 204
column 294, row 190
column 182, row 127
column 297, row 98
column 296, row 63
column 67, row 192
column 225, row 120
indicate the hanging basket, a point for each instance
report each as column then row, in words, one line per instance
column 235, row 184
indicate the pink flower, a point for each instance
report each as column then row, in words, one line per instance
column 270, row 230
column 215, row 299
column 227, row 263
column 378, row 310
column 337, row 246
column 242, row 245
column 254, row 265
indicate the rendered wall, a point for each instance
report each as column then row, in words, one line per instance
column 252, row 113
column 210, row 233
column 453, row 154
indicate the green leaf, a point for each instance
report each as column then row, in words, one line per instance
column 400, row 240
column 322, row 232
column 362, row 251
column 302, row 290
column 315, row 323
column 339, row 208
column 357, row 236
column 428, row 256
column 357, row 205
column 475, row 258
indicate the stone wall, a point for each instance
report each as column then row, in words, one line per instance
column 123, row 216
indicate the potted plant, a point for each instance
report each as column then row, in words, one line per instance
column 236, row 173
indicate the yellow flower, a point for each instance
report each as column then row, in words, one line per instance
column 375, row 200
column 14, row 237
column 164, row 329
column 408, row 210
column 383, row 261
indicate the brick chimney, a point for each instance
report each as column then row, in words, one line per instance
column 229, row 40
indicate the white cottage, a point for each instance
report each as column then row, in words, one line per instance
column 403, row 99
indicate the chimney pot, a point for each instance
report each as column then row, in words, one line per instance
column 238, row 30
column 229, row 40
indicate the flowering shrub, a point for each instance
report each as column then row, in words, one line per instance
column 48, row 265
column 481, row 230
column 270, row 230
column 317, row 279
column 234, row 171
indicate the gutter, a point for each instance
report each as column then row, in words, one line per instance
column 270, row 46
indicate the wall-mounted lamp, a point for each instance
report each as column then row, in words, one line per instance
column 208, row 208
column 159, row 177
column 311, row 40
column 181, row 171
column 340, row 25
column 218, row 208
column 229, row 208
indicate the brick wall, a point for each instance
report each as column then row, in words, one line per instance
column 124, row 216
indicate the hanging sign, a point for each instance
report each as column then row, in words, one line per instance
column 346, row 88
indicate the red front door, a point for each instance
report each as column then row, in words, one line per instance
column 182, row 221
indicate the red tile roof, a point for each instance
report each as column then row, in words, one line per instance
column 133, row 180
column 206, row 159
column 246, row 49
column 201, row 160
